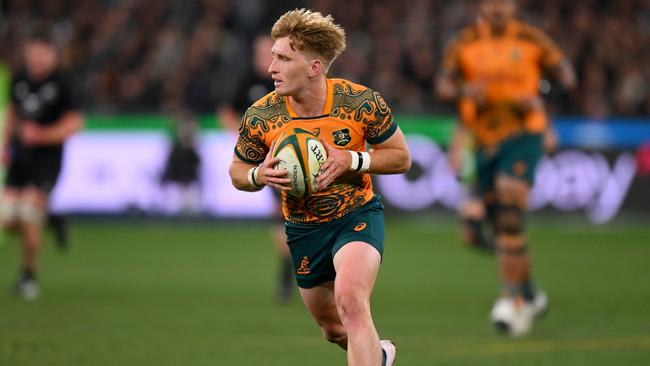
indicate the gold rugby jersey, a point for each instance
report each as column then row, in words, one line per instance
column 353, row 115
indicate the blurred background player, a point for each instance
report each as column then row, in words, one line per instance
column 41, row 116
column 254, row 86
column 180, row 179
column 492, row 69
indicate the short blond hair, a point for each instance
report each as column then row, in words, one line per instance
column 311, row 31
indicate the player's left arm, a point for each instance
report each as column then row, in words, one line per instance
column 388, row 152
column 388, row 157
column 554, row 60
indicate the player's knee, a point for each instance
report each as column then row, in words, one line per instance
column 510, row 219
column 518, row 250
column 351, row 306
column 30, row 212
column 9, row 213
column 334, row 333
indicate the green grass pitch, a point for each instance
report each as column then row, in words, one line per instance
column 164, row 293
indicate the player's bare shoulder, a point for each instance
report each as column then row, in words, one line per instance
column 268, row 113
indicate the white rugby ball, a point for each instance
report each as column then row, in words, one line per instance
column 301, row 155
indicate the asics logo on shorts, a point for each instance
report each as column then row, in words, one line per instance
column 360, row 226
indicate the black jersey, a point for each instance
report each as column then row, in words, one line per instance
column 43, row 101
column 250, row 90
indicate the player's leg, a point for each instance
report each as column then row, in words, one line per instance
column 9, row 209
column 31, row 214
column 59, row 226
column 473, row 224
column 320, row 302
column 514, row 261
column 512, row 187
column 285, row 275
column 477, row 212
column 357, row 265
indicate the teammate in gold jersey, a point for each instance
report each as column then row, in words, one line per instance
column 493, row 69
column 335, row 235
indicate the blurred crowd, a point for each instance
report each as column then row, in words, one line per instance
column 155, row 55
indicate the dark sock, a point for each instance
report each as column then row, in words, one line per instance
column 479, row 239
column 286, row 274
column 528, row 290
column 28, row 274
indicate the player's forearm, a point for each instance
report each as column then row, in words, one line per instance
column 8, row 128
column 389, row 161
column 69, row 124
column 567, row 75
column 240, row 176
column 447, row 89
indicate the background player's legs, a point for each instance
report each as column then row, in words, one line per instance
column 32, row 208
column 512, row 253
column 474, row 215
column 357, row 265
column 59, row 226
column 321, row 304
column 285, row 276
column 9, row 209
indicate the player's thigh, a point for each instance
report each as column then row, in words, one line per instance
column 320, row 302
column 519, row 156
column 357, row 264
column 310, row 248
column 35, row 196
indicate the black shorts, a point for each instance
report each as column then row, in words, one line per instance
column 34, row 170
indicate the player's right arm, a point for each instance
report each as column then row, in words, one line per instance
column 252, row 165
column 450, row 84
column 250, row 177
column 8, row 129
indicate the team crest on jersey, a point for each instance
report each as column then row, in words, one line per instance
column 304, row 266
column 341, row 137
column 516, row 54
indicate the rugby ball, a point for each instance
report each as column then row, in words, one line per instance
column 301, row 155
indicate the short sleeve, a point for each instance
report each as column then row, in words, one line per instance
column 382, row 126
column 451, row 58
column 250, row 146
column 67, row 99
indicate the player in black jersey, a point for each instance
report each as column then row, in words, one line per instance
column 253, row 87
column 41, row 116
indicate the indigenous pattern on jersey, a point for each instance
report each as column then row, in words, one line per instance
column 510, row 67
column 352, row 116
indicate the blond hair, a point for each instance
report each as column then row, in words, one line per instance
column 311, row 32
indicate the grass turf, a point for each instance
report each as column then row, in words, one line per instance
column 143, row 293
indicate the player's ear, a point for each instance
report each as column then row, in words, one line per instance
column 316, row 68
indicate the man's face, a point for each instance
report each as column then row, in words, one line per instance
column 262, row 57
column 497, row 12
column 40, row 58
column 290, row 69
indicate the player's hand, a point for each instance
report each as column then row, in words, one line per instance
column 455, row 159
column 550, row 140
column 274, row 178
column 338, row 162
column 476, row 92
column 529, row 104
column 30, row 133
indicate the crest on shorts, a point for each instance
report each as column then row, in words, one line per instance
column 304, row 266
column 341, row 137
